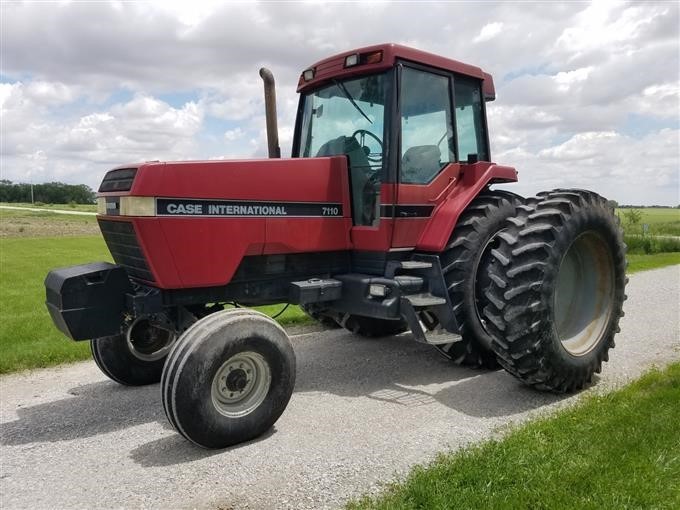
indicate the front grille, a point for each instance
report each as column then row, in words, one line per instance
column 118, row 180
column 121, row 239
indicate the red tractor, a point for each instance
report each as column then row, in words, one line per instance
column 383, row 221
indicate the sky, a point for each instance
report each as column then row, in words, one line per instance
column 587, row 94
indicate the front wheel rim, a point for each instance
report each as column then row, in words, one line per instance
column 241, row 384
column 584, row 294
column 148, row 342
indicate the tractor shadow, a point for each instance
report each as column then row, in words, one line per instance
column 173, row 450
column 395, row 370
column 401, row 371
column 94, row 408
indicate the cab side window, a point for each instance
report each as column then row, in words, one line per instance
column 426, row 133
column 470, row 119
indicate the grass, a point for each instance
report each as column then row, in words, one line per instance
column 651, row 243
column 65, row 207
column 15, row 223
column 28, row 339
column 620, row 450
column 643, row 262
column 661, row 221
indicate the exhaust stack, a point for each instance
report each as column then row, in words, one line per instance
column 270, row 113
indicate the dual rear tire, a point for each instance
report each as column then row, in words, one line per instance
column 465, row 265
column 557, row 290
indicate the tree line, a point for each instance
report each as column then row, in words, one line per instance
column 47, row 193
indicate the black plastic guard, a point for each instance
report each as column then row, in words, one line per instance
column 87, row 301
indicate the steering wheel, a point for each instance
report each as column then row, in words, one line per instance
column 362, row 136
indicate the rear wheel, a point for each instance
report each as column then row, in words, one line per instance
column 228, row 379
column 558, row 290
column 464, row 264
column 136, row 358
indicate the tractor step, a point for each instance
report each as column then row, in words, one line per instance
column 415, row 264
column 440, row 337
column 424, row 299
column 410, row 284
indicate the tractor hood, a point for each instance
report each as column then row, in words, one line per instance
column 190, row 224
column 267, row 180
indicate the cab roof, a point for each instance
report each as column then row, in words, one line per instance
column 383, row 57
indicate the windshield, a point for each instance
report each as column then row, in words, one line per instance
column 348, row 118
column 345, row 116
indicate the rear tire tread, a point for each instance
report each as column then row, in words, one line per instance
column 519, row 304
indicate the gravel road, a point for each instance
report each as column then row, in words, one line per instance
column 362, row 413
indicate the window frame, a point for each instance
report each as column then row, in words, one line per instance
column 388, row 173
column 401, row 64
column 392, row 121
column 483, row 120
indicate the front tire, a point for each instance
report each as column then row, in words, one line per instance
column 558, row 290
column 120, row 361
column 228, row 379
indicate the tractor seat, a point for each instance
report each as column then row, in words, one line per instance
column 420, row 163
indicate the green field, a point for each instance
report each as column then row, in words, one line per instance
column 661, row 221
column 65, row 207
column 28, row 250
column 15, row 223
column 619, row 451
column 28, row 338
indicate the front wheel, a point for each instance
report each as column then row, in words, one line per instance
column 136, row 358
column 228, row 379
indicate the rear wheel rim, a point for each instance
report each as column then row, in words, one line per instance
column 584, row 294
column 241, row 384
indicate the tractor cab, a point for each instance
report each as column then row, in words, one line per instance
column 406, row 120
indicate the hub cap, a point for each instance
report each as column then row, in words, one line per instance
column 241, row 384
column 584, row 294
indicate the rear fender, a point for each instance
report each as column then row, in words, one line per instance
column 475, row 178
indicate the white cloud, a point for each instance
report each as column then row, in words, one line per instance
column 97, row 84
column 488, row 32
column 233, row 135
column 617, row 166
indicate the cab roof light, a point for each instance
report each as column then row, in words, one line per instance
column 308, row 75
column 351, row 60
column 373, row 57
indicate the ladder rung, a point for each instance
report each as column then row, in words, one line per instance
column 415, row 264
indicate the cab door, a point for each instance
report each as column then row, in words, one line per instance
column 427, row 159
column 441, row 122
